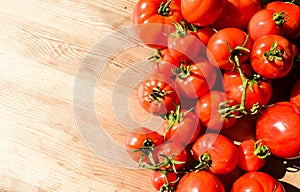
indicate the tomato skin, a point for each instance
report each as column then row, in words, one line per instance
column 164, row 63
column 257, row 182
column 151, row 26
column 217, row 47
column 136, row 140
column 188, row 125
column 222, row 151
column 196, row 78
column 158, row 179
column 237, row 13
column 261, row 91
column 278, row 128
column 186, row 47
column 267, row 67
column 229, row 178
column 248, row 160
column 262, row 23
column 207, row 110
column 200, row 181
column 201, row 12
column 175, row 149
column 291, row 28
column 205, row 33
column 158, row 105
column 295, row 94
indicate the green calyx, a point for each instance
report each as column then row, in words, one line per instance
column 183, row 71
column 260, row 150
column 181, row 30
column 164, row 8
column 155, row 56
column 157, row 94
column 204, row 162
column 280, row 18
column 274, row 53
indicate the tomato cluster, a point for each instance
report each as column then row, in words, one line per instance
column 226, row 83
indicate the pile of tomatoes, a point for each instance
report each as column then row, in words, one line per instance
column 226, row 82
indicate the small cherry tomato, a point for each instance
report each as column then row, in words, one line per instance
column 265, row 22
column 140, row 144
column 158, row 94
column 225, row 44
column 194, row 79
column 257, row 182
column 278, row 128
column 252, row 155
column 290, row 28
column 199, row 181
column 163, row 181
column 207, row 109
column 201, row 12
column 272, row 56
column 216, row 153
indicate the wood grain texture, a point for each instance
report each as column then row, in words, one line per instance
column 43, row 46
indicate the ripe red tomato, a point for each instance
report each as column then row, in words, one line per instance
column 278, row 128
column 229, row 178
column 291, row 28
column 216, row 153
column 153, row 20
column 181, row 123
column 237, row 13
column 207, row 110
column 171, row 155
column 158, row 95
column 272, row 56
column 163, row 181
column 195, row 79
column 184, row 43
column 205, row 33
column 218, row 52
column 295, row 94
column 257, row 92
column 201, row 12
column 199, row 181
column 252, row 155
column 265, row 22
column 140, row 144
column 256, row 182
column 163, row 62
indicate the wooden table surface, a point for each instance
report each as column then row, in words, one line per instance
column 50, row 75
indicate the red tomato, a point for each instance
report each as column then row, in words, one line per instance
column 242, row 129
column 207, row 108
column 237, row 13
column 195, row 79
column 184, row 43
column 205, row 33
column 163, row 181
column 291, row 28
column 158, row 95
column 257, row 91
column 295, row 94
column 256, row 182
column 265, row 22
column 216, row 153
column 201, row 12
column 199, row 181
column 252, row 155
column 272, row 56
column 163, row 62
column 171, row 155
column 181, row 123
column 141, row 142
column 278, row 128
column 153, row 20
column 218, row 52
